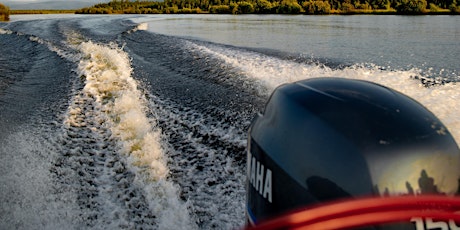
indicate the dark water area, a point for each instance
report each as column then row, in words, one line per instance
column 176, row 73
column 34, row 81
column 141, row 122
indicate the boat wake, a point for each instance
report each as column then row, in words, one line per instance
column 150, row 131
column 113, row 151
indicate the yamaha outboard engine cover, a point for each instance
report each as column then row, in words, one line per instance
column 329, row 138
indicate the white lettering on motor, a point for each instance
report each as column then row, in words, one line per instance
column 260, row 177
column 428, row 223
column 252, row 169
column 268, row 185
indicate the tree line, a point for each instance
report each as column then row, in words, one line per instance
column 4, row 13
column 275, row 7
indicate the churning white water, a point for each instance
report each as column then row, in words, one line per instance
column 269, row 72
column 148, row 131
column 107, row 74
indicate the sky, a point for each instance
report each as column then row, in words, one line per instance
column 50, row 4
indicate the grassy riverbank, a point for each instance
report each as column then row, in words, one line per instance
column 401, row 7
column 404, row 7
column 4, row 13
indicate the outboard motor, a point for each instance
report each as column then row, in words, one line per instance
column 329, row 139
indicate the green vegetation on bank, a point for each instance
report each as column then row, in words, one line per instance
column 4, row 13
column 276, row 7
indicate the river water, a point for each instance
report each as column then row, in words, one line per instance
column 396, row 42
column 126, row 121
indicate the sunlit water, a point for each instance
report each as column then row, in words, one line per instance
column 140, row 121
column 396, row 42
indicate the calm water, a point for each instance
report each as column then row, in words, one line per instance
column 140, row 122
column 396, row 42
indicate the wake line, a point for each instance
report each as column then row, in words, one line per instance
column 270, row 72
column 5, row 31
column 108, row 80
column 107, row 73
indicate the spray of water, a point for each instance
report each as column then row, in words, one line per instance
column 269, row 72
column 5, row 31
column 26, row 188
column 107, row 73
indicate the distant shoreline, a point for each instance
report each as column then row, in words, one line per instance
column 357, row 12
column 276, row 7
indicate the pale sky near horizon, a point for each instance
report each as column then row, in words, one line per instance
column 50, row 4
column 54, row 0
column 42, row 1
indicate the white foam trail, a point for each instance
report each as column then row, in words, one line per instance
column 269, row 72
column 60, row 52
column 143, row 26
column 5, row 31
column 52, row 47
column 140, row 26
column 107, row 71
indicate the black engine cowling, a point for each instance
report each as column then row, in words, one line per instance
column 326, row 139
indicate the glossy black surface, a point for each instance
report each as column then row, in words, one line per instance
column 330, row 138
